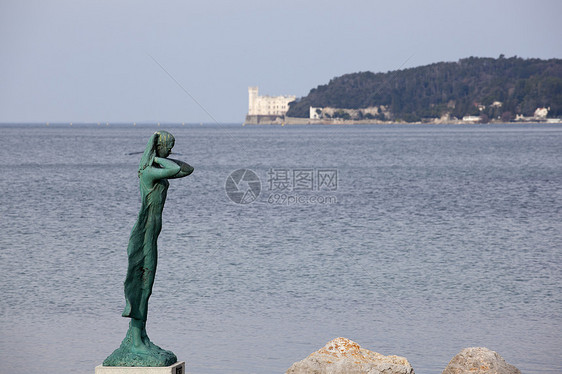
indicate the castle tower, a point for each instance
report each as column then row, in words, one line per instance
column 252, row 100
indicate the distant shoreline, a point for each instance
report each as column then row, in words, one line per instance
column 337, row 121
column 303, row 122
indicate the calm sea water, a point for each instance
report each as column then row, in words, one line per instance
column 433, row 239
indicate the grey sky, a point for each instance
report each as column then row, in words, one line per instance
column 89, row 61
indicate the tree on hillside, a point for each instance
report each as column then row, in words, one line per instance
column 467, row 87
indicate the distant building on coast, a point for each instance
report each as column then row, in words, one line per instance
column 266, row 109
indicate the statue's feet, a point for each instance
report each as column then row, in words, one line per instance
column 140, row 352
column 141, row 348
column 150, row 345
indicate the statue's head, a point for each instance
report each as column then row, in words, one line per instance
column 164, row 143
column 160, row 144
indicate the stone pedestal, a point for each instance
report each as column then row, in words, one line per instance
column 177, row 368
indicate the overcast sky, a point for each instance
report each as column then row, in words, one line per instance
column 90, row 61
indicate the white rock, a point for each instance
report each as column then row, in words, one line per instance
column 479, row 360
column 343, row 356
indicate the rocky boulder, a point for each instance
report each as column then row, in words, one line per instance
column 343, row 356
column 479, row 361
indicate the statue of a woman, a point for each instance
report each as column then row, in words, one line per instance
column 154, row 171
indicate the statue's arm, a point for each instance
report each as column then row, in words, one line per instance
column 185, row 169
column 167, row 169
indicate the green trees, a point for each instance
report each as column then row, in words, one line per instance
column 341, row 114
column 470, row 86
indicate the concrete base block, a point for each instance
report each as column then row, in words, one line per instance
column 177, row 368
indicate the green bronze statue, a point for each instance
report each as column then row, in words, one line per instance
column 154, row 171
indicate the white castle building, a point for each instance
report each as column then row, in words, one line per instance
column 266, row 108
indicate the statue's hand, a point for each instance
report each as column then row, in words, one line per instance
column 162, row 161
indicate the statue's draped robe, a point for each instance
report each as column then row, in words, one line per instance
column 142, row 250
